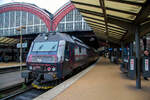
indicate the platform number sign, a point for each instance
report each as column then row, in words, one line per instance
column 146, row 64
column 131, row 64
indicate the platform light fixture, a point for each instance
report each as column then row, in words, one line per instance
column 20, row 28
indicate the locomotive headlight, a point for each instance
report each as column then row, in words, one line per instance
column 49, row 69
column 53, row 69
column 30, row 67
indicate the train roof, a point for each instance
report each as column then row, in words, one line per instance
column 56, row 36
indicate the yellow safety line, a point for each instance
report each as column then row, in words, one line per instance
column 41, row 87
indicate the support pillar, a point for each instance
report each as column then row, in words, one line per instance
column 131, row 49
column 122, row 47
column 138, row 69
column 145, row 43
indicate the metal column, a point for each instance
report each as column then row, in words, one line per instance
column 145, row 43
column 131, row 49
column 122, row 47
column 138, row 70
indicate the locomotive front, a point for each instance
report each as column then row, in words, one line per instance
column 44, row 61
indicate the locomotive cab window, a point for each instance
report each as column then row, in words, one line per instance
column 45, row 46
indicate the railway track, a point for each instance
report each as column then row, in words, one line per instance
column 8, row 91
column 4, row 92
column 11, row 69
column 27, row 94
column 20, row 92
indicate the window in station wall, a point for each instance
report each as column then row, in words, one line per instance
column 73, row 21
column 10, row 20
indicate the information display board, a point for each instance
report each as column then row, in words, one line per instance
column 131, row 64
column 132, row 67
column 145, row 67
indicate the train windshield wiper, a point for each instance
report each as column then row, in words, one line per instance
column 53, row 47
column 40, row 47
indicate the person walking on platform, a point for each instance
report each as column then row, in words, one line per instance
column 146, row 54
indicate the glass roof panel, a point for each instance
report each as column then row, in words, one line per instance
column 145, row 22
column 10, row 41
column 113, row 26
column 99, row 10
column 122, row 6
column 96, row 24
column 121, row 15
column 137, row 1
column 95, row 27
column 116, row 37
column 15, row 40
column 116, row 26
column 6, row 39
column 119, row 33
column 112, row 34
column 94, row 20
column 100, row 29
column 95, row 2
column 1, row 38
column 92, row 16
column 123, row 31
column 100, row 34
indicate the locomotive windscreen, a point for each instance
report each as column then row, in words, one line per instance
column 45, row 46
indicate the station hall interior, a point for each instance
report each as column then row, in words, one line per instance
column 114, row 35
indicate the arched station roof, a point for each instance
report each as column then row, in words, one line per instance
column 21, row 6
column 69, row 19
column 116, row 20
column 61, row 13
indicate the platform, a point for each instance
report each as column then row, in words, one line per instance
column 104, row 81
column 10, row 64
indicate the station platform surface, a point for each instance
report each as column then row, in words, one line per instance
column 9, row 79
column 104, row 81
column 10, row 64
